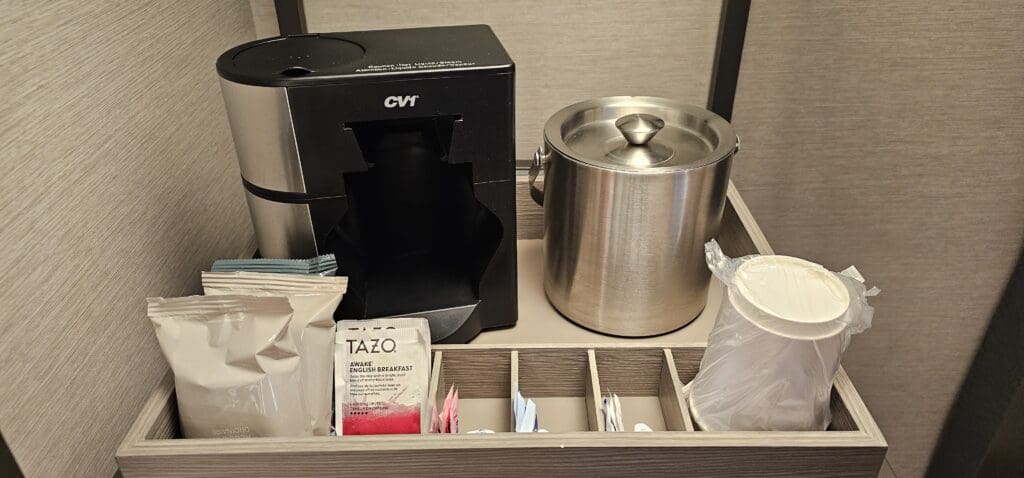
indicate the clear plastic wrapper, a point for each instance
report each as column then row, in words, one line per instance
column 775, row 348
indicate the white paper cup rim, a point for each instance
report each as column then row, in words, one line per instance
column 790, row 297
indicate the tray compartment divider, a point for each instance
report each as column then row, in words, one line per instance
column 673, row 403
column 593, row 394
column 436, row 387
column 513, row 388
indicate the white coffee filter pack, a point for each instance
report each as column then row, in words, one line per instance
column 775, row 348
column 313, row 299
column 237, row 368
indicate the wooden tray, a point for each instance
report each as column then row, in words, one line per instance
column 565, row 381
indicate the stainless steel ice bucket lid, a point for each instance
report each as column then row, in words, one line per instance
column 633, row 188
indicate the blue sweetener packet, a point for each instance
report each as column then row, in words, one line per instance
column 325, row 265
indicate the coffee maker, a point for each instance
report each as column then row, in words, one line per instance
column 394, row 151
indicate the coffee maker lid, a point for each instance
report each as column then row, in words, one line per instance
column 326, row 58
column 296, row 56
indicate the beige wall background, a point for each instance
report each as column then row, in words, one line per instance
column 118, row 182
column 882, row 135
column 565, row 51
column 889, row 135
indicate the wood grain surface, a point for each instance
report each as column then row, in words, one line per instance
column 119, row 182
column 841, row 419
column 686, row 358
column 553, row 372
column 564, row 51
column 486, row 374
column 630, row 372
column 888, row 135
column 627, row 455
column 739, row 454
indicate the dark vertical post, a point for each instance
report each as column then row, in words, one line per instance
column 732, row 28
column 8, row 467
column 986, row 418
column 291, row 16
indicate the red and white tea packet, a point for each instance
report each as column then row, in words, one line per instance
column 381, row 376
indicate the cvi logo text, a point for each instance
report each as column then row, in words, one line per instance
column 400, row 101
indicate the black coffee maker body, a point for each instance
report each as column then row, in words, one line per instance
column 394, row 150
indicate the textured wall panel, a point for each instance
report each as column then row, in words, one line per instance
column 888, row 135
column 264, row 18
column 118, row 181
column 564, row 51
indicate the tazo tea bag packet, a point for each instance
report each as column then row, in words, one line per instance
column 314, row 299
column 236, row 367
column 324, row 265
column 381, row 376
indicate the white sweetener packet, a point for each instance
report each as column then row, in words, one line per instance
column 381, row 376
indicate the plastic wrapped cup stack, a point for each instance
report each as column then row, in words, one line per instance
column 775, row 347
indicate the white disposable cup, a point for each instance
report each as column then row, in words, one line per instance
column 769, row 364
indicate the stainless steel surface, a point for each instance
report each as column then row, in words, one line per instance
column 540, row 161
column 623, row 244
column 261, row 125
column 639, row 128
column 283, row 230
column 691, row 137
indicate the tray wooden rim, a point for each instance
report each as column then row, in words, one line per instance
column 745, row 238
column 867, row 434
